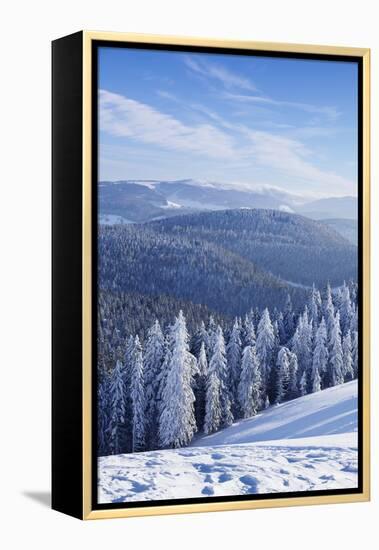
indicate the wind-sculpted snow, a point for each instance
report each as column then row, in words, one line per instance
column 226, row 470
column 331, row 411
column 309, row 444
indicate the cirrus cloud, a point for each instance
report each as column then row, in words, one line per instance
column 220, row 141
column 124, row 117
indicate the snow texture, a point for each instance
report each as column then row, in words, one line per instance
column 306, row 444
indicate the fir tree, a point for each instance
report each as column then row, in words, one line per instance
column 293, row 390
column 281, row 330
column 328, row 309
column 103, row 416
column 153, row 360
column 288, row 319
column 345, row 309
column 282, row 378
column 177, row 421
column 211, row 337
column 162, row 377
column 316, row 380
column 218, row 362
column 320, row 353
column 200, row 337
column 137, row 397
column 354, row 352
column 250, row 383
column 302, row 346
column 348, row 369
column 275, row 329
column 265, row 345
column 201, row 386
column 212, row 419
column 129, row 351
column 314, row 304
column 117, row 410
column 233, row 351
column 249, row 336
column 303, row 384
column 354, row 319
column 335, row 355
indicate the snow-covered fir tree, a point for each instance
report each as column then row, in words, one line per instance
column 137, row 397
column 302, row 346
column 303, row 384
column 316, row 380
column 159, row 397
column 335, row 367
column 354, row 352
column 117, row 410
column 282, row 374
column 248, row 332
column 162, row 377
column 314, row 305
column 200, row 386
column 233, row 352
column 281, row 330
column 320, row 353
column 348, row 369
column 345, row 308
column 249, row 387
column 103, row 415
column 177, row 420
column 354, row 318
column 328, row 309
column 265, row 345
column 200, row 337
column 153, row 360
column 288, row 319
column 293, row 367
column 212, row 420
column 211, row 337
column 218, row 362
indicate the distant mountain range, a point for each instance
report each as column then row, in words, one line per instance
column 135, row 201
column 346, row 228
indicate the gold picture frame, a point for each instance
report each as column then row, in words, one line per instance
column 84, row 509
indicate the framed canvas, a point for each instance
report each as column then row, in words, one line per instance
column 210, row 275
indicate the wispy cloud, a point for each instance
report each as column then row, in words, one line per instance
column 291, row 158
column 124, row 117
column 219, row 73
column 331, row 112
column 220, row 141
column 234, row 83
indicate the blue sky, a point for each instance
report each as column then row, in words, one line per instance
column 241, row 121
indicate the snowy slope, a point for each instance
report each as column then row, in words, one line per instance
column 308, row 444
column 332, row 411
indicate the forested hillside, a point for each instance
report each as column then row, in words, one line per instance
column 121, row 314
column 147, row 260
column 158, row 393
column 289, row 246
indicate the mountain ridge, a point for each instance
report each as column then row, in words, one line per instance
column 145, row 200
column 289, row 246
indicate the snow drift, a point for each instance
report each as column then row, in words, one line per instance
column 307, row 444
column 329, row 412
